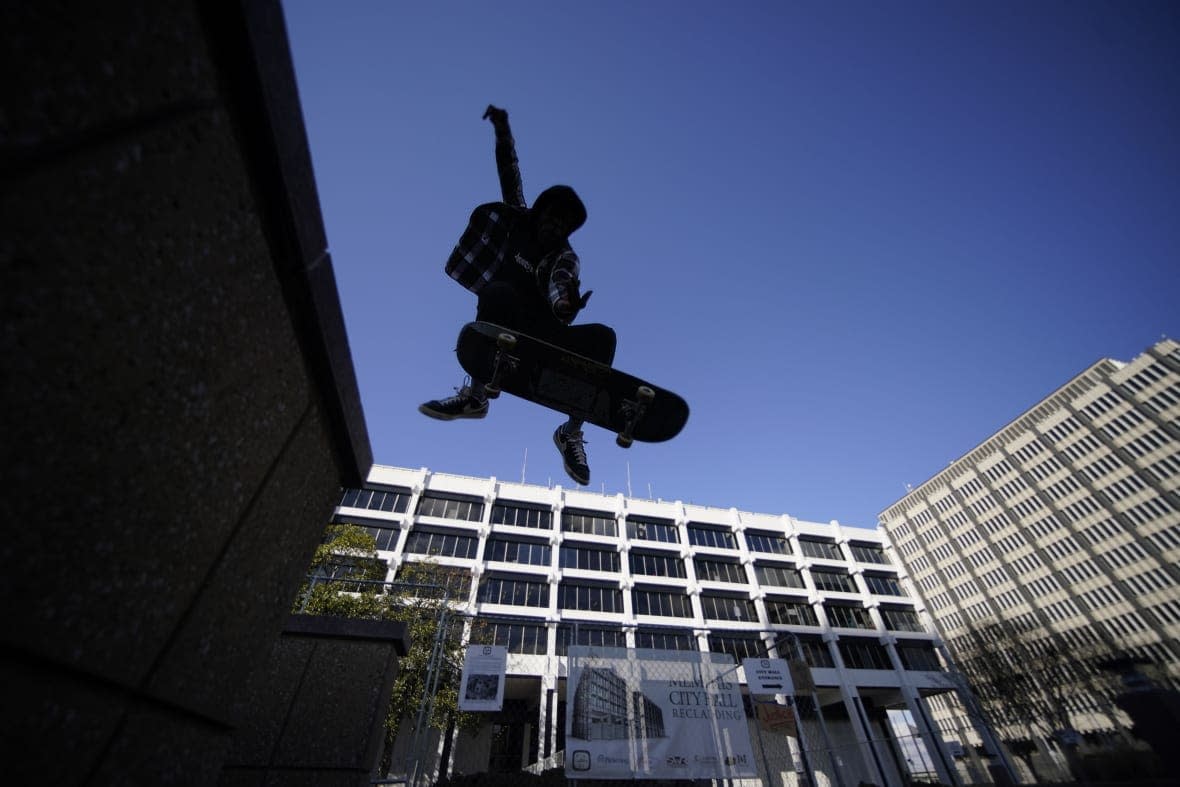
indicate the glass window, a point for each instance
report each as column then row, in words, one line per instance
column 517, row 592
column 506, row 512
column 864, row 654
column 594, row 636
column 831, row 580
column 657, row 564
column 665, row 639
column 773, row 543
column 716, row 607
column 447, row 507
column 444, row 543
column 827, row 550
column 594, row 598
column 790, row 613
column 780, row 575
column 847, row 616
column 589, row 558
column 506, row 550
column 517, row 637
column 719, row 571
column 918, row 656
column 869, row 553
column 384, row 534
column 641, row 528
column 668, row 603
column 739, row 646
column 704, row 536
column 900, row 619
column 883, row 585
column 815, row 652
column 395, row 500
column 456, row 580
column 594, row 523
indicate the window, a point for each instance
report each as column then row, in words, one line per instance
column 450, row 507
column 768, row 542
column 507, row 550
column 438, row 542
column 384, row 534
column 739, row 646
column 780, row 575
column 639, row 528
column 594, row 523
column 517, row 637
column 594, row 636
column 849, row 617
column 367, row 572
column 790, row 613
column 719, row 571
column 718, row 607
column 901, row 619
column 826, row 550
column 702, row 536
column 656, row 564
column 665, row 639
column 864, row 654
column 667, row 603
column 869, row 553
column 831, row 580
column 815, row 652
column 883, row 585
column 594, row 598
column 522, row 515
column 918, row 656
column 589, row 558
column 517, row 592
column 456, row 580
column 395, row 500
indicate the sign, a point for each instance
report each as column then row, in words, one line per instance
column 766, row 676
column 481, row 687
column 777, row 718
column 651, row 714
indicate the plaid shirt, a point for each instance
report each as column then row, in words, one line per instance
column 485, row 244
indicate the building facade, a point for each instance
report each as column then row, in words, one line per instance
column 1063, row 528
column 547, row 567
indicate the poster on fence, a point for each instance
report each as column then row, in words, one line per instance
column 481, row 686
column 654, row 714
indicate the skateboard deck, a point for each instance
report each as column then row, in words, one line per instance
column 508, row 360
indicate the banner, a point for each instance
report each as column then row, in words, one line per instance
column 481, row 687
column 655, row 714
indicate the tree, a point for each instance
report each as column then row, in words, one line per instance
column 347, row 578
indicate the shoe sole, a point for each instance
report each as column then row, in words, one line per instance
column 570, row 473
column 439, row 416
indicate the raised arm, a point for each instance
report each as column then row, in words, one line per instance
column 507, row 166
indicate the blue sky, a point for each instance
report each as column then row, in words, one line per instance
column 859, row 238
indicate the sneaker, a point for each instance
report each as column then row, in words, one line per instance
column 573, row 453
column 464, row 404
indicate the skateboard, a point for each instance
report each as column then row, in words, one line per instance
column 508, row 360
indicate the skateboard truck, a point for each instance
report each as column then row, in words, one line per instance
column 633, row 412
column 503, row 362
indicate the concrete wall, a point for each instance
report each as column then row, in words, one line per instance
column 179, row 408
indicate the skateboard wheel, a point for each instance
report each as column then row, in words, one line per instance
column 645, row 394
column 506, row 341
column 622, row 441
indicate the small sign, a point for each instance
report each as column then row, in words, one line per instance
column 767, row 676
column 775, row 718
column 481, row 686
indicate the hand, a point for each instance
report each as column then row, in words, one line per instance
column 496, row 114
column 567, row 308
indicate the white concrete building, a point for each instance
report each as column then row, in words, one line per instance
column 551, row 566
column 1065, row 523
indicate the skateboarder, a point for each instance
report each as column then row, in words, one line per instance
column 519, row 263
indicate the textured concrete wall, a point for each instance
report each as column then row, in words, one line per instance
column 315, row 715
column 178, row 406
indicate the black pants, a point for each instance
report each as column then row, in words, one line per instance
column 504, row 303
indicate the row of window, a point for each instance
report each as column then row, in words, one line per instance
column 459, row 507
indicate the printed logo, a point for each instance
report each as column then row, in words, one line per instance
column 765, row 663
column 487, row 651
column 581, row 760
column 676, row 762
column 735, row 759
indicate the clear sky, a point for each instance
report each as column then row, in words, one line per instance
column 858, row 237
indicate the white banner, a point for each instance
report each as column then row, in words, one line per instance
column 481, row 687
column 654, row 714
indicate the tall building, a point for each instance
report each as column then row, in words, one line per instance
column 545, row 568
column 1063, row 528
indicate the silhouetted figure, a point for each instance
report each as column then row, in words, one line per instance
column 519, row 263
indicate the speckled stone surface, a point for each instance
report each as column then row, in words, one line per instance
column 174, row 415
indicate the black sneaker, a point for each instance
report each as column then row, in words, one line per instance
column 573, row 454
column 464, row 404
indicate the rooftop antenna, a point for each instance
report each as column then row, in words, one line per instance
column 649, row 497
column 628, row 478
column 524, row 465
